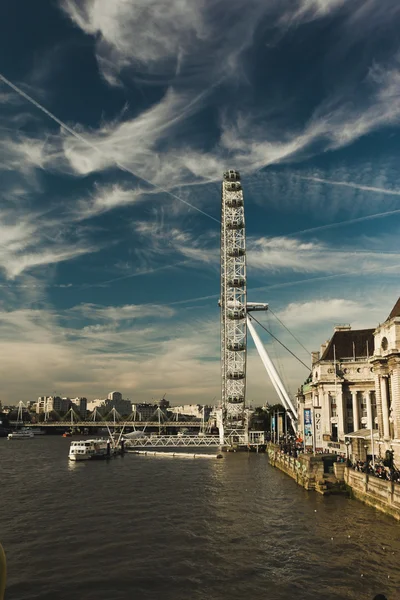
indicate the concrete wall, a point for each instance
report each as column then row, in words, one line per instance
column 306, row 469
column 383, row 495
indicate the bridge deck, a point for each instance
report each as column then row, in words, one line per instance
column 196, row 424
column 177, row 441
column 172, row 441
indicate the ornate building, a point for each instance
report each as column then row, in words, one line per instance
column 338, row 397
column 353, row 392
column 386, row 365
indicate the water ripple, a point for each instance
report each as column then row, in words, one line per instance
column 177, row 529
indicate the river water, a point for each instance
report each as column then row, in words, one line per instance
column 174, row 528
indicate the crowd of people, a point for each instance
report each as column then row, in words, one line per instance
column 377, row 469
column 382, row 468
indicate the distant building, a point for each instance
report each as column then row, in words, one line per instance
column 195, row 411
column 144, row 411
column 163, row 404
column 48, row 404
column 123, row 407
column 93, row 404
column 115, row 396
column 80, row 405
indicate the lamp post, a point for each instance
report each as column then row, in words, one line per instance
column 366, row 455
column 372, row 446
column 347, row 453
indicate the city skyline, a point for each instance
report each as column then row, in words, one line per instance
column 109, row 226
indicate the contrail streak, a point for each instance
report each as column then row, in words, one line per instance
column 357, row 186
column 286, row 284
column 96, row 149
column 381, row 215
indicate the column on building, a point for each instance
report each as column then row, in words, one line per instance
column 385, row 406
column 356, row 415
column 340, row 412
column 395, row 385
column 324, row 406
column 370, row 422
column 378, row 398
column 320, row 397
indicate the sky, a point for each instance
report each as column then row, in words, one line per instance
column 117, row 122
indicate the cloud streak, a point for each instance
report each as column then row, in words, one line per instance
column 350, row 184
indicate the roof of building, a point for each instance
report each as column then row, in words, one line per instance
column 363, row 434
column 350, row 343
column 395, row 311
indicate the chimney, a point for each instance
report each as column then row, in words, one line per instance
column 324, row 347
column 345, row 327
column 314, row 358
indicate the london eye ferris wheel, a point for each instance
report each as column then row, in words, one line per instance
column 233, row 301
column 235, row 319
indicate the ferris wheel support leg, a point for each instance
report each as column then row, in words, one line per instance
column 220, row 425
column 275, row 379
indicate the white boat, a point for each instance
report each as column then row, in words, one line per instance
column 89, row 449
column 21, row 434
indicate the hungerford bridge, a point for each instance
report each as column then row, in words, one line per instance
column 232, row 417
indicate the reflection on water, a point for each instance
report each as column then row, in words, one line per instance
column 169, row 528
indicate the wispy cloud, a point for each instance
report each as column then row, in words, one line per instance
column 180, row 41
column 103, row 199
column 328, row 311
column 123, row 313
column 162, row 239
column 35, row 240
column 272, row 255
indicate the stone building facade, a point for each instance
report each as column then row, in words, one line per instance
column 339, row 393
column 386, row 365
column 353, row 392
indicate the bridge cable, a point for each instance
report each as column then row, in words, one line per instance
column 286, row 348
column 288, row 330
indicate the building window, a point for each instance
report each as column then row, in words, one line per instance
column 333, row 407
column 363, row 404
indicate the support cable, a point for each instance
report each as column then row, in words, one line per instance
column 286, row 348
column 288, row 330
column 281, row 368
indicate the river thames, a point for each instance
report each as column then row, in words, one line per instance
column 174, row 528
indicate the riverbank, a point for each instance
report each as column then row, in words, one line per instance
column 382, row 495
column 314, row 473
column 307, row 470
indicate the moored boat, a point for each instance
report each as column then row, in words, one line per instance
column 89, row 449
column 21, row 434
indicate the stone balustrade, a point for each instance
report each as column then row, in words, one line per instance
column 383, row 495
column 306, row 469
